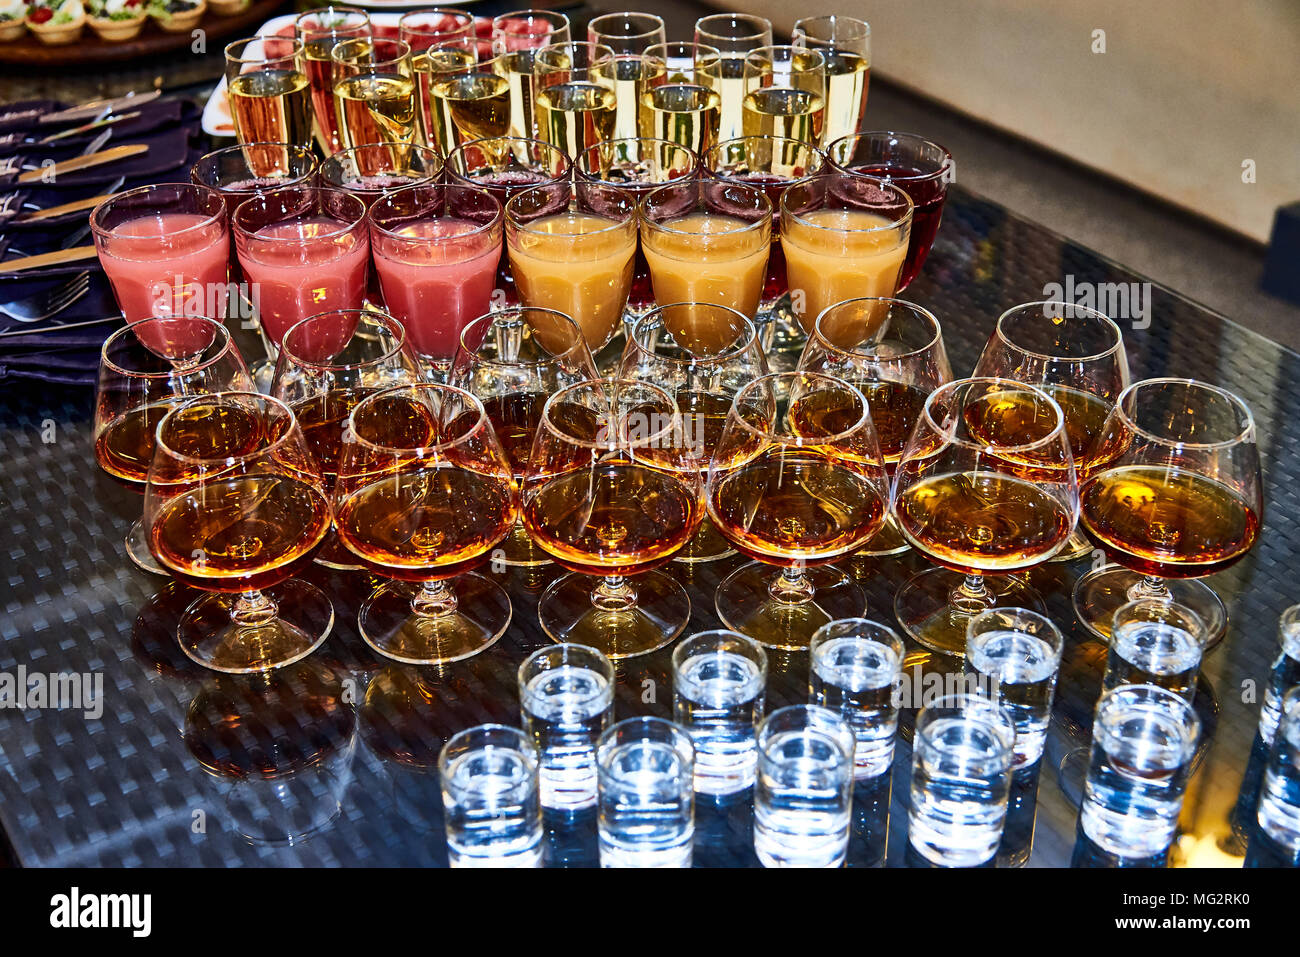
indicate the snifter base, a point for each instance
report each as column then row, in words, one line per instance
column 472, row 622
column 1076, row 546
column 518, row 550
column 707, row 545
column 654, row 611
column 332, row 554
column 925, row 607
column 210, row 635
column 137, row 549
column 746, row 602
column 1101, row 591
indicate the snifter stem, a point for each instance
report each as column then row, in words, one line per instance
column 1150, row 586
column 254, row 609
column 791, row 587
column 972, row 596
column 614, row 594
column 433, row 600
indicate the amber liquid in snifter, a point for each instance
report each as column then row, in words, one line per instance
column 708, row 257
column 578, row 263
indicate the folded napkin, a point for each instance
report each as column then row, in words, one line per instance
column 153, row 116
column 167, row 150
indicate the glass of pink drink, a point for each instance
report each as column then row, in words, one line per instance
column 304, row 250
column 437, row 248
column 165, row 250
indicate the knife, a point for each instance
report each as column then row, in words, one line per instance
column 56, row 211
column 84, row 162
column 87, row 110
column 31, row 331
column 78, row 130
column 56, row 258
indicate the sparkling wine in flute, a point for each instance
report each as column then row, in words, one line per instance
column 319, row 69
column 847, row 77
column 626, row 76
column 983, row 522
column 575, row 116
column 731, row 87
column 375, row 108
column 1167, row 522
column 517, row 68
column 682, row 113
column 779, row 111
column 478, row 105
column 271, row 106
column 429, row 69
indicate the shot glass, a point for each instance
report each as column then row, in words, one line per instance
column 645, row 768
column 718, row 682
column 961, row 777
column 1284, row 675
column 804, row 793
column 1143, row 740
column 566, row 699
column 854, row 664
column 490, row 798
column 1279, row 801
column 1015, row 655
column 1156, row 642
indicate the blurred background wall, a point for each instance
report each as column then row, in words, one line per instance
column 1185, row 92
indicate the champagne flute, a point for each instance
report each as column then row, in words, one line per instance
column 436, row 251
column 268, row 91
column 235, row 506
column 424, row 494
column 1182, row 499
column 516, row 38
column 795, row 482
column 512, row 361
column 702, row 354
column 985, row 489
column 626, row 33
column 893, row 352
column 923, row 169
column 734, row 36
column 165, row 250
column 475, row 105
column 442, row 61
column 146, row 369
column 319, row 31
column 844, row 237
column 600, row 498
column 305, row 249
column 571, row 247
column 636, row 165
column 681, row 101
column 707, row 241
column 574, row 95
column 770, row 163
column 374, row 91
column 1075, row 355
column 845, row 42
column 785, row 94
column 328, row 364
column 628, row 36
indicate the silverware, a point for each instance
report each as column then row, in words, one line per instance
column 85, row 162
column 87, row 127
column 43, row 305
column 59, row 325
column 100, row 107
column 90, row 148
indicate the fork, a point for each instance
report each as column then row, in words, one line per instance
column 43, row 305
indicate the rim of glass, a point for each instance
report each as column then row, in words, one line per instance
column 912, row 308
column 262, row 197
column 120, row 198
column 374, row 42
column 227, row 346
column 948, row 433
column 240, row 148
column 1172, row 609
column 878, row 630
column 618, row 441
column 1130, row 694
column 827, row 175
column 769, row 50
column 513, row 222
column 768, row 435
column 762, row 25
column 564, row 649
column 462, row 151
column 553, row 17
column 629, row 17
column 610, row 144
column 325, row 30
column 478, row 230
column 1108, row 323
column 402, row 24
column 617, row 735
column 659, row 51
column 519, row 744
column 489, row 318
column 716, row 152
column 419, row 387
column 540, row 59
column 1130, row 393
column 893, row 134
column 643, row 206
column 759, row 653
column 1057, row 642
column 748, row 328
column 233, row 397
column 411, row 148
column 811, row 718
column 393, row 326
column 294, row 51
column 977, row 707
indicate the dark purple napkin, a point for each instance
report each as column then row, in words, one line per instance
column 22, row 116
column 167, row 150
column 153, row 116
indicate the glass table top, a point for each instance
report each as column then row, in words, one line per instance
column 331, row 761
